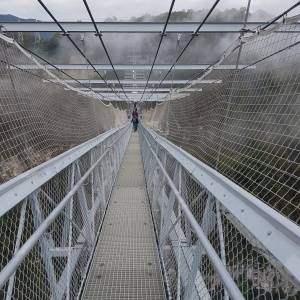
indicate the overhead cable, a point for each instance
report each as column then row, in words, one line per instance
column 261, row 28
column 162, row 35
column 26, row 71
column 65, row 33
column 195, row 33
column 47, row 62
column 61, row 71
column 99, row 35
column 281, row 15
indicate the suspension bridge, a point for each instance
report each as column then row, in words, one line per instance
column 202, row 202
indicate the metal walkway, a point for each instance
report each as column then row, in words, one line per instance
column 126, row 264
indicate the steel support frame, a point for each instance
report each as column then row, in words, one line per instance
column 273, row 231
column 128, row 67
column 171, row 226
column 51, row 247
column 15, row 190
column 46, row 243
column 129, row 27
column 136, row 82
column 17, row 247
column 187, row 256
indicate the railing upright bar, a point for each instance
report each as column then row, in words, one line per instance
column 18, row 258
column 225, row 277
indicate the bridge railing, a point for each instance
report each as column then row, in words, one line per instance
column 40, row 119
column 246, row 125
column 216, row 240
column 50, row 217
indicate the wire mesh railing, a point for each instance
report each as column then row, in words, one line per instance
column 40, row 119
column 248, row 126
column 216, row 241
column 49, row 234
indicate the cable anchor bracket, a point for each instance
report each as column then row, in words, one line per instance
column 246, row 30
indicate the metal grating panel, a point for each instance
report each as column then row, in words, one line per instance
column 126, row 264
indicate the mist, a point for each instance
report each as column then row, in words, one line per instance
column 205, row 49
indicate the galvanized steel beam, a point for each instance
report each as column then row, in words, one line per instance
column 130, row 67
column 208, row 248
column 15, row 190
column 137, row 90
column 19, row 257
column 129, row 27
column 139, row 82
column 279, row 235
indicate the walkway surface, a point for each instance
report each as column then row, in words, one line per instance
column 126, row 264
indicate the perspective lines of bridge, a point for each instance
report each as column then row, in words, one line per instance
column 126, row 262
column 201, row 202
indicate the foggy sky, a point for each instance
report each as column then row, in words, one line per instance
column 74, row 10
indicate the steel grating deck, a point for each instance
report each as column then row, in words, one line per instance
column 126, row 264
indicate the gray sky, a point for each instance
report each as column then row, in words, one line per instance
column 73, row 10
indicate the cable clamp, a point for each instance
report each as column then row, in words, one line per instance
column 245, row 30
column 3, row 30
column 195, row 33
column 162, row 34
column 284, row 18
column 66, row 33
column 98, row 34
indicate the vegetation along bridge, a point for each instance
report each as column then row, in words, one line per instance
column 201, row 202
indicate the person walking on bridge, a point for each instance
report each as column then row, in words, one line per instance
column 135, row 119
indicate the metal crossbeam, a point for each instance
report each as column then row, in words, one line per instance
column 74, row 247
column 156, row 96
column 129, row 27
column 139, row 82
column 136, row 90
column 36, row 177
column 267, row 226
column 130, row 67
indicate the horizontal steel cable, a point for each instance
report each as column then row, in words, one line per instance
column 262, row 28
column 61, row 71
column 98, row 34
column 162, row 35
column 65, row 33
column 186, row 46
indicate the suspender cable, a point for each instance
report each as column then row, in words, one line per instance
column 195, row 33
column 162, row 35
column 26, row 71
column 47, row 62
column 262, row 28
column 281, row 15
column 98, row 34
column 65, row 33
column 40, row 77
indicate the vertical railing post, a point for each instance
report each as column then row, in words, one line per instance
column 17, row 246
column 70, row 211
column 46, row 242
column 83, row 207
column 179, row 237
column 221, row 240
column 93, row 195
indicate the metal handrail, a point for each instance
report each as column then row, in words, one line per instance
column 223, row 186
column 225, row 277
column 13, row 264
column 14, row 191
column 276, row 233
